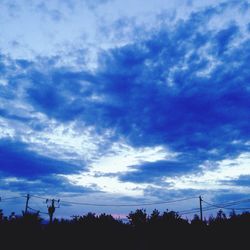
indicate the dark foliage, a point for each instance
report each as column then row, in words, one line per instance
column 155, row 231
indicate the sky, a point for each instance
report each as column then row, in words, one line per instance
column 124, row 102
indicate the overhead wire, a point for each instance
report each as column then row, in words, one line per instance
column 126, row 205
column 231, row 208
column 211, row 206
column 11, row 198
column 117, row 205
column 240, row 208
column 39, row 197
column 38, row 211
column 227, row 204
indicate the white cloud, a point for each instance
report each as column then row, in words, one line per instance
column 123, row 156
column 3, row 82
column 5, row 130
column 119, row 159
column 80, row 145
column 212, row 179
column 49, row 23
column 107, row 184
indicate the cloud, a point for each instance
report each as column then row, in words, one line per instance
column 96, row 3
column 105, row 172
column 54, row 14
column 154, row 172
column 242, row 180
column 49, row 185
column 182, row 87
column 217, row 177
column 17, row 160
column 12, row 8
column 224, row 38
column 229, row 196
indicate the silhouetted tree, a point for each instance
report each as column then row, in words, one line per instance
column 165, row 230
column 137, row 218
column 154, row 217
column 1, row 215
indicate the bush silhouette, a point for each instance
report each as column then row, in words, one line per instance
column 165, row 230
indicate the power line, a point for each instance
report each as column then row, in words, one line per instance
column 215, row 206
column 240, row 208
column 127, row 205
column 118, row 205
column 39, row 197
column 227, row 204
column 196, row 210
column 108, row 205
column 210, row 206
column 230, row 208
column 12, row 198
column 38, row 211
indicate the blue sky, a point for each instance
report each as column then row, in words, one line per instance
column 111, row 102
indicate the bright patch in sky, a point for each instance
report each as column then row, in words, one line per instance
column 217, row 178
column 120, row 160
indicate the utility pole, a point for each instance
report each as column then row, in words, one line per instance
column 1, row 211
column 27, row 203
column 201, row 218
column 52, row 208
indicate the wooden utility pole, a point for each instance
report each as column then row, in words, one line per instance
column 52, row 208
column 201, row 218
column 1, row 212
column 27, row 203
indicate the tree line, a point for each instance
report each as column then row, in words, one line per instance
column 167, row 230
